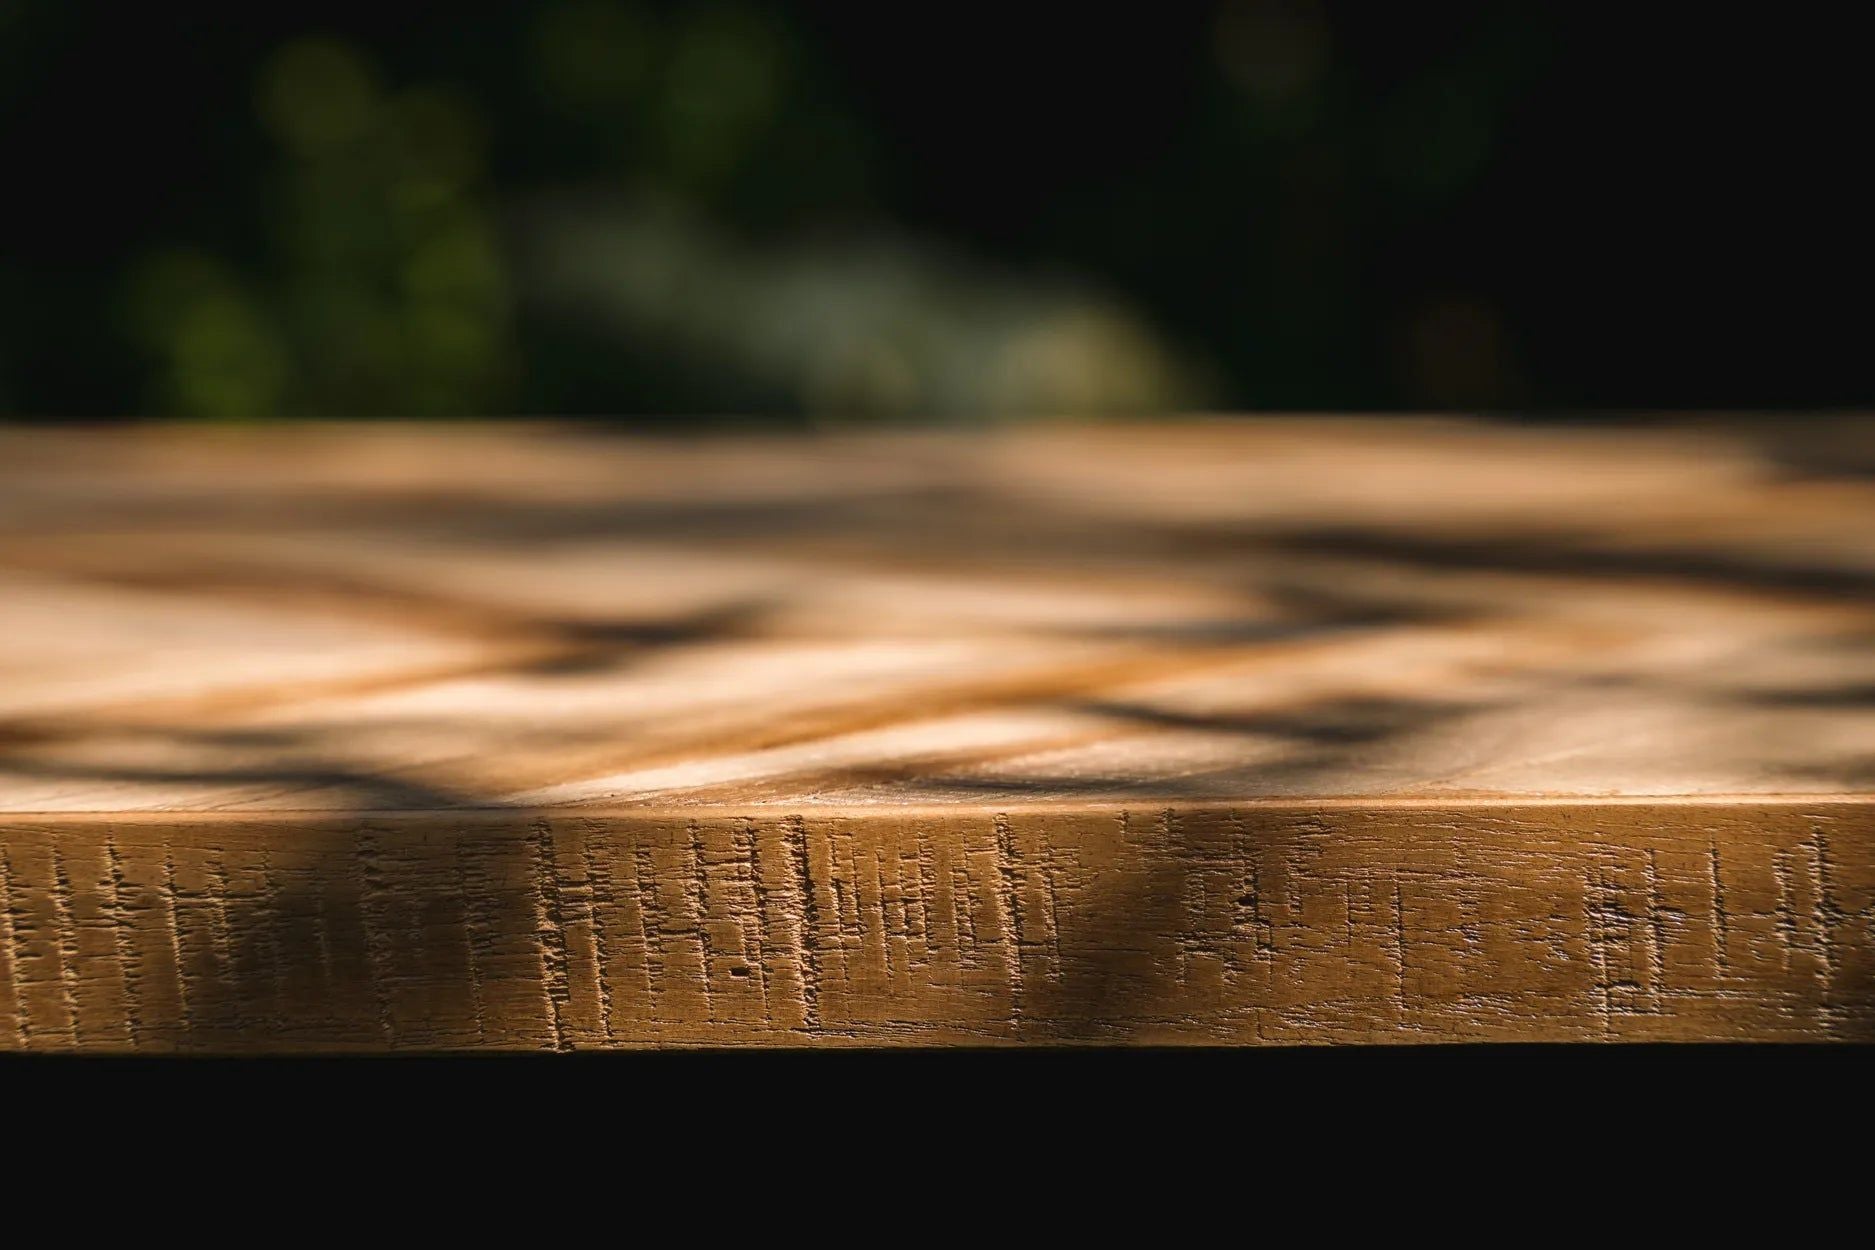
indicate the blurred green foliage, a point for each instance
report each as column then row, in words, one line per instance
column 805, row 210
column 387, row 288
column 386, row 291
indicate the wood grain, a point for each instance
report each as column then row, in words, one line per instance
column 329, row 737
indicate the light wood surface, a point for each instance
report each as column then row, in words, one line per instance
column 1212, row 731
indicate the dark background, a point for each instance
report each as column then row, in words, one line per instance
column 957, row 212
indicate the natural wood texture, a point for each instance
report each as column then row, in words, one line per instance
column 332, row 737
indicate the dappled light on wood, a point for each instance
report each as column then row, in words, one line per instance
column 338, row 737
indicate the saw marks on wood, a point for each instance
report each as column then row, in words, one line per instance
column 1259, row 924
column 378, row 737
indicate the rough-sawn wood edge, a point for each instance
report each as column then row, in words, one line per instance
column 1265, row 922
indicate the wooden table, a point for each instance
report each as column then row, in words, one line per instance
column 390, row 736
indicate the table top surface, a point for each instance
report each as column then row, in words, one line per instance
column 391, row 617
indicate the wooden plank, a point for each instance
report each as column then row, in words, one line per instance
column 326, row 737
column 1280, row 923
